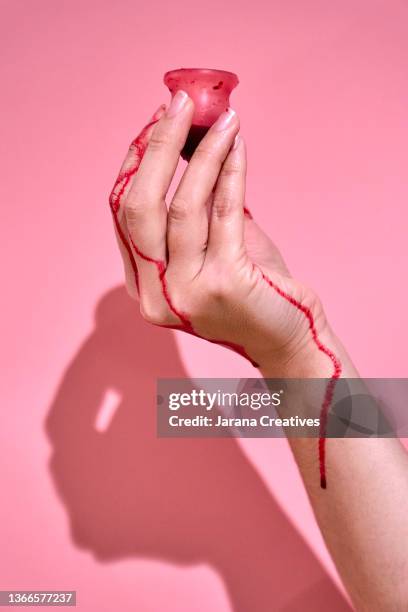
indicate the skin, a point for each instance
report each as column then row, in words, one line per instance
column 215, row 260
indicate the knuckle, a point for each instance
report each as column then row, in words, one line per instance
column 204, row 154
column 179, row 209
column 159, row 141
column 224, row 204
column 232, row 167
column 151, row 313
column 136, row 203
column 204, row 150
column 133, row 209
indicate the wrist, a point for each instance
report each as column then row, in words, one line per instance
column 306, row 360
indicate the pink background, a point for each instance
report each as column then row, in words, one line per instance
column 182, row 526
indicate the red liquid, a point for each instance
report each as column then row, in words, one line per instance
column 195, row 135
column 210, row 91
column 328, row 396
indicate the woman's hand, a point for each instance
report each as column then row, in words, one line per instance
column 204, row 265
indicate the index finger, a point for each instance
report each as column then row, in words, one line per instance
column 188, row 218
column 146, row 212
column 118, row 195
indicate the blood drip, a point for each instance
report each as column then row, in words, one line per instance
column 328, row 396
column 202, row 85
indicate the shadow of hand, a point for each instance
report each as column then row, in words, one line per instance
column 129, row 493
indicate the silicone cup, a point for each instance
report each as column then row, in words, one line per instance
column 210, row 91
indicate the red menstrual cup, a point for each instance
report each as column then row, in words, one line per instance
column 210, row 91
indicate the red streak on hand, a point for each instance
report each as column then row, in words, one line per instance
column 328, row 396
column 186, row 325
column 138, row 148
column 115, row 200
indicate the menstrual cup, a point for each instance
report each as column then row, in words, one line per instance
column 210, row 91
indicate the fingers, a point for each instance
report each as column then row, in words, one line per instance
column 146, row 212
column 118, row 196
column 226, row 235
column 187, row 232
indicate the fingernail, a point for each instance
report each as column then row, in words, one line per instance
column 224, row 120
column 237, row 140
column 177, row 103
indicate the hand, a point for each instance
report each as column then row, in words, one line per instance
column 204, row 265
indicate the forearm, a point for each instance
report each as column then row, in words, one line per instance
column 363, row 512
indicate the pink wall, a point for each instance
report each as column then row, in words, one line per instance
column 182, row 526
